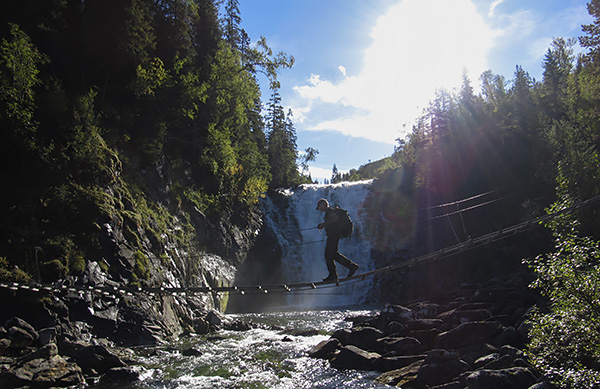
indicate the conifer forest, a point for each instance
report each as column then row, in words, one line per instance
column 96, row 93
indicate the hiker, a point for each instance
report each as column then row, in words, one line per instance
column 333, row 239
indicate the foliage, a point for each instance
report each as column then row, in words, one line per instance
column 94, row 97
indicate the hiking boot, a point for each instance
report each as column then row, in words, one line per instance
column 352, row 270
column 330, row 278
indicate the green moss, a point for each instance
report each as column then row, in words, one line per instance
column 142, row 267
column 12, row 273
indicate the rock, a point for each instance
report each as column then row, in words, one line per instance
column 426, row 309
column 441, row 372
column 51, row 372
column 394, row 363
column 481, row 362
column 426, row 337
column 508, row 336
column 352, row 357
column 325, row 349
column 20, row 323
column 342, row 335
column 191, row 352
column 467, row 334
column 393, row 328
column 514, row 378
column 401, row 377
column 449, row 385
column 47, row 335
column 119, row 375
column 19, row 337
column 215, row 320
column 424, row 324
column 399, row 346
column 364, row 338
column 457, row 316
column 398, row 313
column 504, row 362
column 92, row 358
column 45, row 352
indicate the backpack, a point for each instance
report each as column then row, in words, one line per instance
column 344, row 224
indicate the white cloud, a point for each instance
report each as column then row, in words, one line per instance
column 418, row 46
column 342, row 70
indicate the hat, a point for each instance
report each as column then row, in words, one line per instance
column 322, row 201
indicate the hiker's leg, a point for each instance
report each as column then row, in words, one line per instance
column 331, row 247
column 342, row 259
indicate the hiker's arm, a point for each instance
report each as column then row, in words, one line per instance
column 331, row 219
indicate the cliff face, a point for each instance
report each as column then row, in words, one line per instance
column 147, row 235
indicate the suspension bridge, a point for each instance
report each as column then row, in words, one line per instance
column 471, row 243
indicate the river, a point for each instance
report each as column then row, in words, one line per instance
column 272, row 356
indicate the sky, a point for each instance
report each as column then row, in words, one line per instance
column 365, row 69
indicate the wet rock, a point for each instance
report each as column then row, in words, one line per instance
column 191, row 352
column 399, row 313
column 352, row 357
column 325, row 349
column 364, row 338
column 514, row 378
column 342, row 335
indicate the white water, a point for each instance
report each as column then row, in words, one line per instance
column 294, row 223
column 273, row 357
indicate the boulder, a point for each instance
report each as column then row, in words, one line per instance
column 437, row 373
column 364, row 338
column 20, row 338
column 119, row 375
column 467, row 334
column 514, row 378
column 457, row 316
column 424, row 324
column 403, row 377
column 399, row 346
column 325, row 349
column 394, row 363
column 93, row 359
column 22, row 324
column 43, row 372
column 352, row 357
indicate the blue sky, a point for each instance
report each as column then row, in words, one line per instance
column 365, row 69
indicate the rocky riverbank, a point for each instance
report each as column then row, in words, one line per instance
column 475, row 341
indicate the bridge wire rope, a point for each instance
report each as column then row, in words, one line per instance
column 116, row 291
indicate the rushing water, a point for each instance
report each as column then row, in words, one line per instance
column 293, row 223
column 272, row 356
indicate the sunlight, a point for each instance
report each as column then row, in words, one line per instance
column 417, row 47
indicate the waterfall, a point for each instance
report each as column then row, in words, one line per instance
column 292, row 217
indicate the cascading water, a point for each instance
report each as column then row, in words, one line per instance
column 293, row 222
